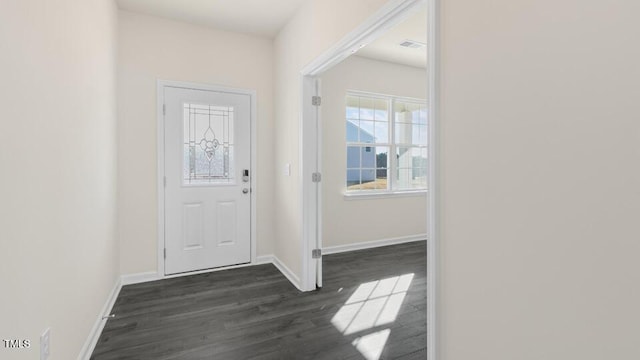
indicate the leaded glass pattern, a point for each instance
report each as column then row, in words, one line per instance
column 208, row 144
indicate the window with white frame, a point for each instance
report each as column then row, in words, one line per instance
column 386, row 143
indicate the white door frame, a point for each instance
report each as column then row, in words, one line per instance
column 392, row 13
column 161, row 84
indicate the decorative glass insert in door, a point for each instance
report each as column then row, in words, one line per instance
column 208, row 145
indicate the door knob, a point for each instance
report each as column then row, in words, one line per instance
column 245, row 190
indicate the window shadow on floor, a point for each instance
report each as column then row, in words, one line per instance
column 372, row 306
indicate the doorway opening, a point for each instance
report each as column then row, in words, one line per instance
column 311, row 143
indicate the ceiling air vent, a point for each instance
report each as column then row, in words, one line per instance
column 412, row 44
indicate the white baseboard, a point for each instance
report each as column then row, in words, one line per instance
column 284, row 270
column 139, row 278
column 263, row 259
column 143, row 277
column 372, row 244
column 290, row 275
column 94, row 335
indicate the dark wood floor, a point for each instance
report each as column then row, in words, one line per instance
column 255, row 313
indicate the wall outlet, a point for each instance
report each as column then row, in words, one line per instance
column 287, row 169
column 44, row 345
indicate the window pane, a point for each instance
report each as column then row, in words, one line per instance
column 404, row 133
column 353, row 113
column 353, row 107
column 382, row 110
column 373, row 174
column 366, row 132
column 402, row 180
column 382, row 132
column 419, row 135
column 407, row 112
column 353, row 177
column 368, row 157
column 369, row 181
column 370, row 139
column 352, row 130
column 412, row 168
column 368, row 175
column 366, row 108
column 422, row 115
column 381, row 174
column 382, row 157
column 353, row 157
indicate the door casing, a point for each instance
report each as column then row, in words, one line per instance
column 392, row 13
column 161, row 84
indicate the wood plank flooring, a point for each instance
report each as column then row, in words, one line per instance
column 363, row 311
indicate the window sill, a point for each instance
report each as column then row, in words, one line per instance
column 383, row 194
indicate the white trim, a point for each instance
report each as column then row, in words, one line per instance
column 161, row 84
column 98, row 326
column 362, row 195
column 336, row 249
column 130, row 279
column 138, row 278
column 206, row 271
column 263, row 259
column 254, row 174
column 308, row 140
column 391, row 14
column 319, row 205
column 160, row 174
column 385, row 96
column 290, row 275
column 433, row 149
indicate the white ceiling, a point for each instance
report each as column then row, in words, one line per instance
column 387, row 48
column 267, row 17
column 259, row 17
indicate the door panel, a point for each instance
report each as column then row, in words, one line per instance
column 193, row 229
column 207, row 200
column 227, row 222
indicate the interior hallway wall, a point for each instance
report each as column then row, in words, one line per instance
column 540, row 195
column 355, row 220
column 58, row 237
column 152, row 48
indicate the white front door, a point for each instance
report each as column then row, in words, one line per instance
column 207, row 160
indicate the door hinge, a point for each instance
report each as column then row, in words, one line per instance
column 164, row 109
column 165, row 253
column 316, row 100
column 316, row 253
column 316, row 177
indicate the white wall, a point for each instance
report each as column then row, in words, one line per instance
column 59, row 257
column 316, row 26
column 359, row 220
column 540, row 149
column 152, row 48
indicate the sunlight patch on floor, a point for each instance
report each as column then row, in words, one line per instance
column 373, row 304
column 371, row 345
